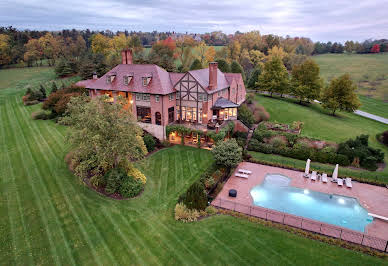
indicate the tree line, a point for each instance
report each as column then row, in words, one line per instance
column 368, row 46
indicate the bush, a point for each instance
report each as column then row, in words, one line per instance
column 195, row 197
column 130, row 187
column 245, row 115
column 182, row 213
column 150, row 142
column 137, row 174
column 27, row 103
column 211, row 210
column 278, row 141
column 113, row 179
column 385, row 137
column 253, row 145
column 227, row 153
column 40, row 114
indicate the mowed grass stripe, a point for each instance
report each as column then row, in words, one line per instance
column 100, row 237
column 92, row 229
column 24, row 155
column 47, row 188
column 10, row 196
column 54, row 189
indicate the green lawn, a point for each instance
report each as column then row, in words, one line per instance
column 319, row 124
column 374, row 106
column 370, row 71
column 49, row 218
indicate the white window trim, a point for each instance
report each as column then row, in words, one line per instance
column 157, row 98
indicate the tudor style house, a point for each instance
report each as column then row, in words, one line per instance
column 158, row 98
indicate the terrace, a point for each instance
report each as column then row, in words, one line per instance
column 373, row 198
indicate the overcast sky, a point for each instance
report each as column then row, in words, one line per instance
column 320, row 20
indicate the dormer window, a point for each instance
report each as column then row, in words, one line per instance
column 146, row 80
column 110, row 78
column 128, row 78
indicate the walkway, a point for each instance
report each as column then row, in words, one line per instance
column 372, row 116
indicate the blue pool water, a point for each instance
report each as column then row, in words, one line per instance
column 275, row 193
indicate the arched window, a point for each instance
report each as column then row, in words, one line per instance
column 158, row 118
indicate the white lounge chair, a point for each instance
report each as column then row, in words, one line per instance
column 348, row 182
column 241, row 175
column 247, row 172
column 340, row 182
column 324, row 178
column 314, row 175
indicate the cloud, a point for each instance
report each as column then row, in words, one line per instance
column 324, row 20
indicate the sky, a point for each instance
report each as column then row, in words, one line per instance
column 330, row 20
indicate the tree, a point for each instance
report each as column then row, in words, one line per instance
column 5, row 49
column 43, row 91
column 306, row 83
column 223, row 65
column 227, row 153
column 210, row 54
column 274, row 77
column 54, row 87
column 162, row 54
column 340, row 95
column 101, row 44
column 103, row 135
column 375, row 49
column 234, row 50
column 196, row 65
column 245, row 115
column 201, row 51
column 235, row 67
column 254, row 78
column 33, row 51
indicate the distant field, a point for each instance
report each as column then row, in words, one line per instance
column 370, row 71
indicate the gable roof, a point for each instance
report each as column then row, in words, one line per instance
column 202, row 76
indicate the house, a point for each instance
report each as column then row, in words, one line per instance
column 159, row 98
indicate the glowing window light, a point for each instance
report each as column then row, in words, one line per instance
column 306, row 191
column 341, row 201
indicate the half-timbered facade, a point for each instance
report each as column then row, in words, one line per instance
column 158, row 97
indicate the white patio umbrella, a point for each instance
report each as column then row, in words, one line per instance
column 307, row 170
column 335, row 172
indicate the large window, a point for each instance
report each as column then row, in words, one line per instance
column 143, row 114
column 158, row 118
column 170, row 114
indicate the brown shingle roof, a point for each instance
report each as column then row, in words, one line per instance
column 202, row 76
column 160, row 82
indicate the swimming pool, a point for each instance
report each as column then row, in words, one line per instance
column 276, row 193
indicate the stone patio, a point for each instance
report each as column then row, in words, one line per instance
column 373, row 198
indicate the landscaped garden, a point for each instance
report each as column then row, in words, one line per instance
column 320, row 125
column 50, row 217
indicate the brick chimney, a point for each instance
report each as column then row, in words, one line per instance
column 213, row 66
column 126, row 57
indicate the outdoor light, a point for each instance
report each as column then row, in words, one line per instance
column 131, row 101
column 204, row 115
column 341, row 201
column 306, row 191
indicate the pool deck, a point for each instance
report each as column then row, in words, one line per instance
column 373, row 198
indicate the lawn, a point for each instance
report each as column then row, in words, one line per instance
column 50, row 218
column 370, row 71
column 319, row 124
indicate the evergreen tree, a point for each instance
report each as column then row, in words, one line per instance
column 54, row 87
column 86, row 69
column 43, row 91
column 223, row 66
column 196, row 65
column 254, row 78
column 235, row 67
column 274, row 77
column 306, row 83
column 340, row 95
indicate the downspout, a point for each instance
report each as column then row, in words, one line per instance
column 164, row 129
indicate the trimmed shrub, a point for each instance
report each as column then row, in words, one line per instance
column 245, row 115
column 150, row 142
column 227, row 153
column 130, row 187
column 195, row 197
column 184, row 214
column 40, row 114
